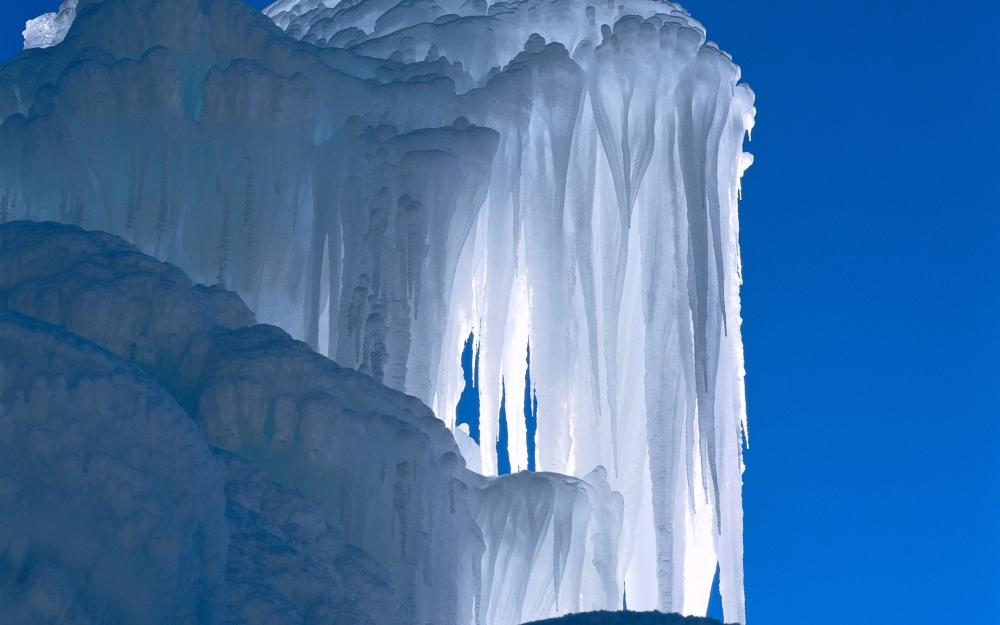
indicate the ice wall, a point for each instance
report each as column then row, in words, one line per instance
column 382, row 178
column 382, row 476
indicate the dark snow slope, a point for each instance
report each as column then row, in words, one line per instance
column 111, row 504
column 627, row 618
column 103, row 289
column 375, row 461
column 113, row 508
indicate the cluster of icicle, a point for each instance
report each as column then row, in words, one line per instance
column 413, row 536
column 383, row 178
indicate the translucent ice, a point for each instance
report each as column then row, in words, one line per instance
column 384, row 478
column 382, row 178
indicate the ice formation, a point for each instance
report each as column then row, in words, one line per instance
column 110, row 501
column 113, row 509
column 285, row 564
column 380, row 179
column 49, row 29
column 375, row 464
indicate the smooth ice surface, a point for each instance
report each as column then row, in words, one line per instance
column 381, row 179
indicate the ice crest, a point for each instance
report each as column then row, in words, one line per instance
column 49, row 29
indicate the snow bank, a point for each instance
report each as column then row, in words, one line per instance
column 287, row 565
column 101, row 288
column 111, row 505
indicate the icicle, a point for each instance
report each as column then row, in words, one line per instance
column 562, row 176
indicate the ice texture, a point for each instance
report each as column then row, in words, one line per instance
column 111, row 506
column 382, row 468
column 102, row 289
column 567, row 566
column 382, row 178
column 49, row 29
column 287, row 565
column 376, row 462
column 393, row 530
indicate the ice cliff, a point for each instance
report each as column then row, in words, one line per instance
column 381, row 179
column 392, row 530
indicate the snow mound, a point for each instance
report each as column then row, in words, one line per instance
column 111, row 505
column 103, row 289
column 627, row 618
column 255, row 391
column 287, row 565
column 284, row 563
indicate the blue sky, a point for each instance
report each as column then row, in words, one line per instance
column 870, row 233
column 871, row 254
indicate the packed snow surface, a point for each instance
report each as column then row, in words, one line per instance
column 380, row 179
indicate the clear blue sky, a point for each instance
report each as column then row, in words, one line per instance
column 871, row 254
column 870, row 233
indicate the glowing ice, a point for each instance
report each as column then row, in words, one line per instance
column 386, row 178
column 373, row 462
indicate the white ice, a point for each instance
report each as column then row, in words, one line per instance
column 380, row 179
column 49, row 29
column 393, row 529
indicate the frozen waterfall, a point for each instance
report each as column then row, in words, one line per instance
column 383, row 178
